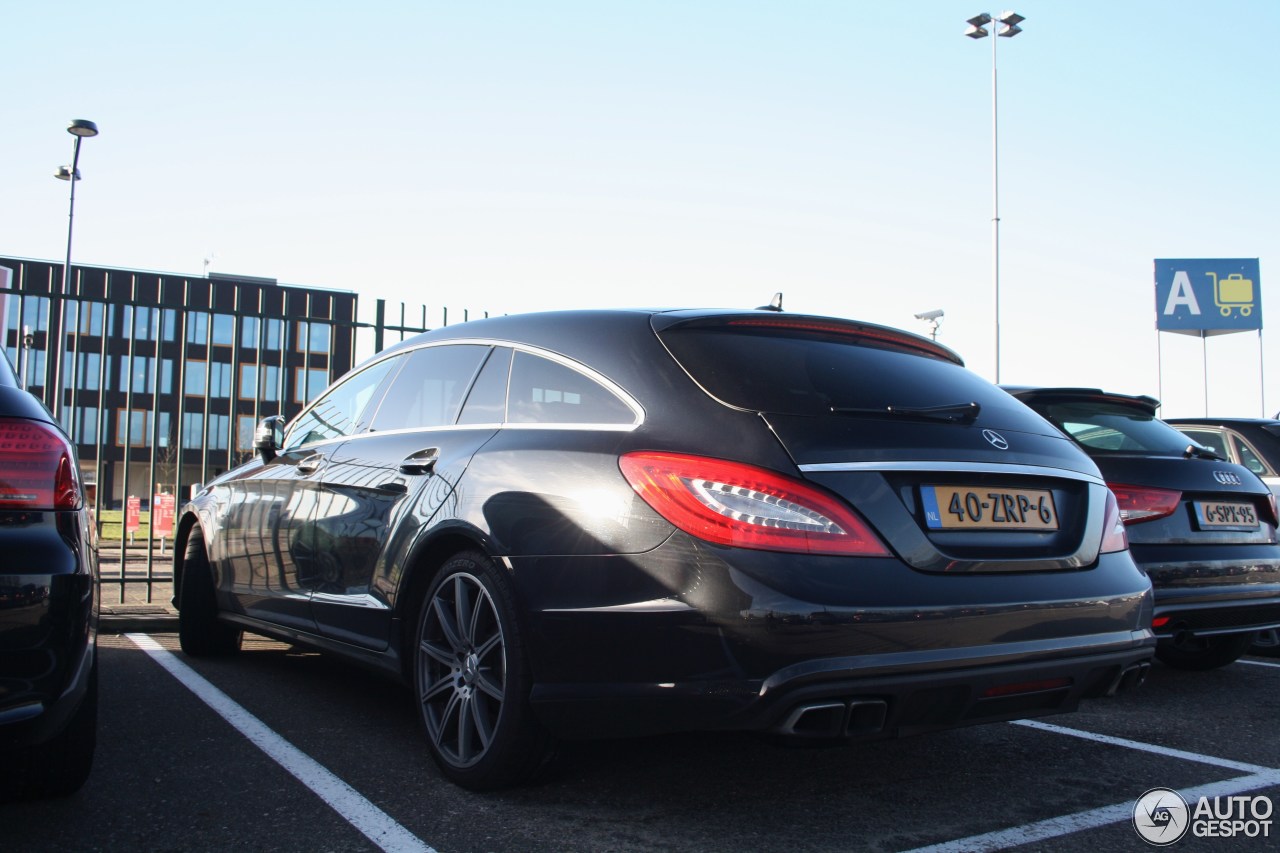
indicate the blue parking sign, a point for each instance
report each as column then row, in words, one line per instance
column 1208, row 296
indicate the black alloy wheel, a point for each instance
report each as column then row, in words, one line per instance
column 472, row 679
column 199, row 630
column 1201, row 653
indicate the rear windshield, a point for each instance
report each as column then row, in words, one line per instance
column 797, row 373
column 1114, row 428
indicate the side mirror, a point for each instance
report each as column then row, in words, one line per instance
column 268, row 435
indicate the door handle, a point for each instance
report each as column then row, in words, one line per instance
column 311, row 464
column 421, row 462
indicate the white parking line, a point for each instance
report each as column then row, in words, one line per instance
column 1260, row 777
column 1144, row 747
column 1066, row 825
column 373, row 822
column 1260, row 663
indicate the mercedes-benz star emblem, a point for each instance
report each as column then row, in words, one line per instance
column 997, row 440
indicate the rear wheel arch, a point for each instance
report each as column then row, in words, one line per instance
column 426, row 561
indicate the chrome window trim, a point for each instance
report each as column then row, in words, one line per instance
column 930, row 467
column 608, row 384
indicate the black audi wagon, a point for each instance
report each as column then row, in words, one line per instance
column 1202, row 527
column 603, row 523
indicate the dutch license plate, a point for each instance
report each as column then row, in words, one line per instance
column 986, row 508
column 1226, row 514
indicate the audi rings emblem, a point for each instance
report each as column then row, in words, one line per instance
column 1228, row 478
column 996, row 439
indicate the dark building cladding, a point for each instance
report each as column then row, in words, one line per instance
column 171, row 371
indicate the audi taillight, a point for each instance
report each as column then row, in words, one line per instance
column 37, row 467
column 1114, row 537
column 730, row 503
column 1143, row 503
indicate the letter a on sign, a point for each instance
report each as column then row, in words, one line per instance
column 1181, row 294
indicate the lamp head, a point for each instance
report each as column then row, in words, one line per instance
column 935, row 314
column 82, row 127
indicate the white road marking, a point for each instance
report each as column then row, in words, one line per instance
column 373, row 822
column 1260, row 663
column 1145, row 747
column 1066, row 825
column 1259, row 777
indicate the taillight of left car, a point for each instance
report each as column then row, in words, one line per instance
column 37, row 467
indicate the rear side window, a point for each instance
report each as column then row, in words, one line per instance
column 428, row 391
column 1248, row 458
column 547, row 392
column 786, row 372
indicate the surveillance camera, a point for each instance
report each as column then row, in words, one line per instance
column 935, row 314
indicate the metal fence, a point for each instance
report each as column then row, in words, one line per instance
column 160, row 381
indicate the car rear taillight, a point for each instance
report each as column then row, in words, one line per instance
column 1114, row 537
column 1142, row 503
column 1271, row 507
column 747, row 507
column 37, row 470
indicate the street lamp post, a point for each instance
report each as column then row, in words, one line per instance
column 81, row 129
column 1006, row 26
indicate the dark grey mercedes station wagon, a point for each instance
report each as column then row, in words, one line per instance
column 600, row 523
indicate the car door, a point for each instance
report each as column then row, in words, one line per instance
column 278, row 562
column 383, row 485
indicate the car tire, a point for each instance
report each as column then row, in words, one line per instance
column 60, row 766
column 200, row 632
column 1200, row 653
column 472, row 679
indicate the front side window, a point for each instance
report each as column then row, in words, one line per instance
column 428, row 391
column 338, row 413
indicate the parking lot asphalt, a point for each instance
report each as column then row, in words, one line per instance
column 285, row 749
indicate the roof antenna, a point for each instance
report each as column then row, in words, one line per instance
column 775, row 304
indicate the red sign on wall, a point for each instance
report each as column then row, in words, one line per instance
column 162, row 515
column 132, row 512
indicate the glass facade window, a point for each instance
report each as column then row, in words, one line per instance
column 248, row 382
column 85, row 429
column 151, row 324
column 249, row 332
column 307, row 384
column 197, row 327
column 90, row 375
column 139, row 374
column 245, row 425
column 91, row 314
column 275, row 333
column 269, row 386
column 192, row 430
column 195, row 378
column 34, row 311
column 219, row 429
column 313, row 337
column 220, row 380
column 135, row 426
column 224, row 326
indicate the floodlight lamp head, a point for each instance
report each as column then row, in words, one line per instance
column 976, row 33
column 980, row 20
column 82, row 127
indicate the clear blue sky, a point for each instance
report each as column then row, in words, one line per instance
column 515, row 156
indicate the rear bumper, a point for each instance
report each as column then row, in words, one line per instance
column 1208, row 591
column 854, row 698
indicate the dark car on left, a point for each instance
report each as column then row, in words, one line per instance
column 48, row 604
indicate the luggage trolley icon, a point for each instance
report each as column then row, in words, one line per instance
column 1235, row 292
